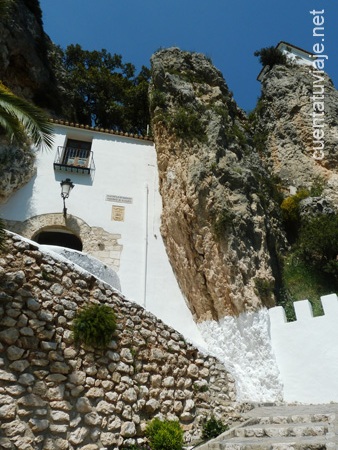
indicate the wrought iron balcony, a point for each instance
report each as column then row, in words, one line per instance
column 77, row 160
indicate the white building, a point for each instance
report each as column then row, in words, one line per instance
column 294, row 54
column 113, row 213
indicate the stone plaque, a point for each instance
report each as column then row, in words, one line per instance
column 118, row 199
column 117, row 213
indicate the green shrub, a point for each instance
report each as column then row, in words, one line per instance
column 317, row 187
column 212, row 428
column 318, row 239
column 94, row 326
column 157, row 99
column 271, row 56
column 290, row 208
column 260, row 140
column 264, row 289
column 286, row 300
column 164, row 435
column 290, row 205
column 223, row 222
column 303, row 281
column 186, row 123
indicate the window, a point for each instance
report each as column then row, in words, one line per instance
column 76, row 156
column 77, row 153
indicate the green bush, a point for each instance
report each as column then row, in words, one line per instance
column 94, row 326
column 223, row 222
column 317, row 187
column 264, row 289
column 290, row 205
column 164, row 435
column 271, row 56
column 290, row 208
column 186, row 123
column 157, row 99
column 212, row 428
column 318, row 239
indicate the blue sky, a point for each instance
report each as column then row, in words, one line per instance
column 228, row 31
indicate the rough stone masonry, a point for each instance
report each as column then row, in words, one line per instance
column 56, row 396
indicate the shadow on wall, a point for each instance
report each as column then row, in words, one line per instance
column 23, row 199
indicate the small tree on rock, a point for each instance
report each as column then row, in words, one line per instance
column 271, row 56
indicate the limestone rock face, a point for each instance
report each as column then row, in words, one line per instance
column 218, row 223
column 287, row 115
column 17, row 168
column 24, row 47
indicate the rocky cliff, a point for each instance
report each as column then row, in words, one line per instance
column 16, row 166
column 25, row 67
column 224, row 175
column 297, row 119
column 219, row 222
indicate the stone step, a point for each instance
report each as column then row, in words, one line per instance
column 285, row 429
column 282, row 427
column 296, row 418
column 274, row 443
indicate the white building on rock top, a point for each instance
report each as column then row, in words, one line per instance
column 294, row 54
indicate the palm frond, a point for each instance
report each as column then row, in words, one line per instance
column 34, row 120
column 12, row 127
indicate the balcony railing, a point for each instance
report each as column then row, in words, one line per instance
column 74, row 160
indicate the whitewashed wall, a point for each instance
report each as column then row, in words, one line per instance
column 307, row 351
column 124, row 167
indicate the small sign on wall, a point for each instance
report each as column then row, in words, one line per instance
column 117, row 213
column 118, row 199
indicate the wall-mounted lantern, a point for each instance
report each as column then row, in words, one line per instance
column 66, row 187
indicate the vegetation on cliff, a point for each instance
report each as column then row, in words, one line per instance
column 271, row 56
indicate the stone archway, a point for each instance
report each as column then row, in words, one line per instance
column 95, row 240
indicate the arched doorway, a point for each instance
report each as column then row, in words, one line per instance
column 58, row 237
column 94, row 241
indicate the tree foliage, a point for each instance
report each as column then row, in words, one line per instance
column 103, row 90
column 271, row 56
column 5, row 6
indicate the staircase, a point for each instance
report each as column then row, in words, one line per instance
column 296, row 427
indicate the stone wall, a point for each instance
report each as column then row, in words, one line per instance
column 56, row 396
